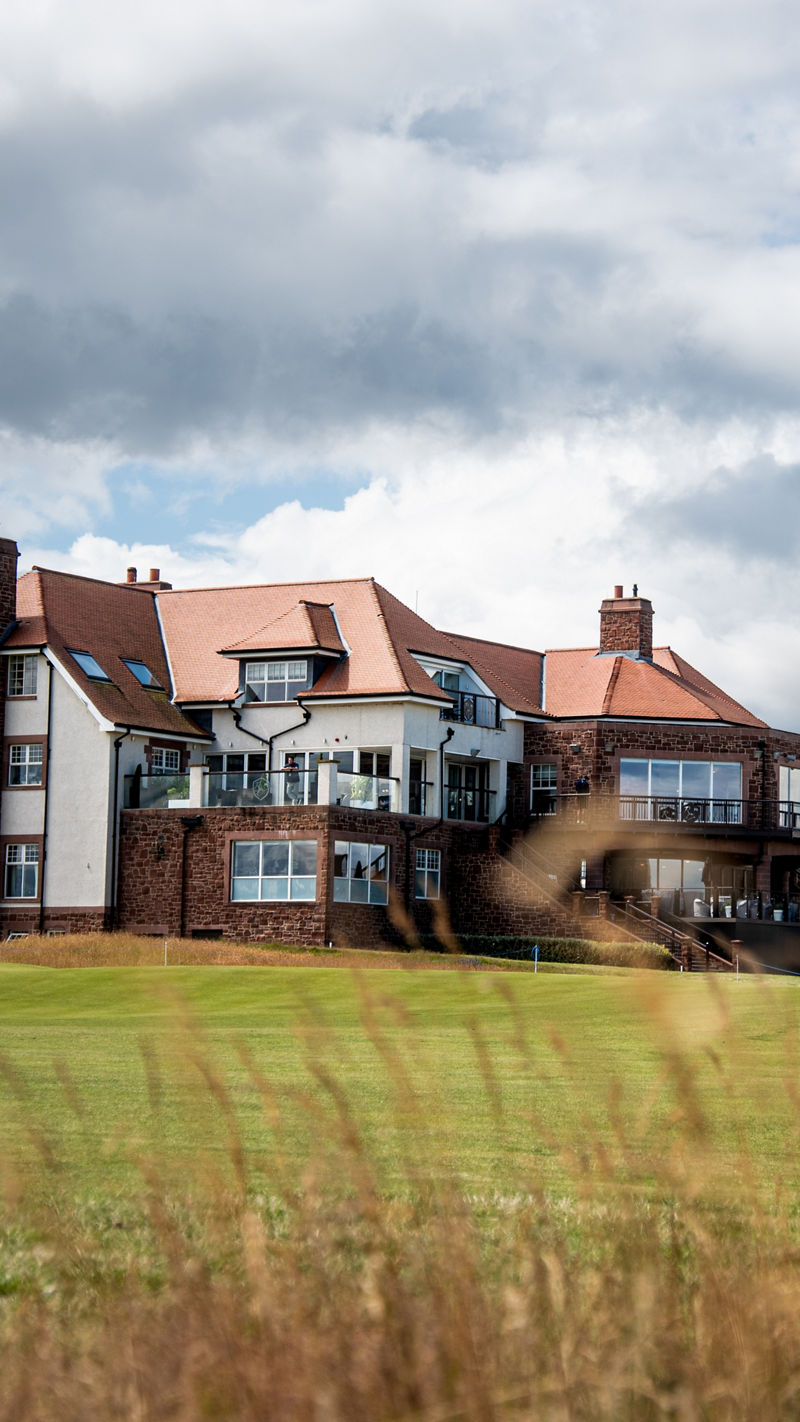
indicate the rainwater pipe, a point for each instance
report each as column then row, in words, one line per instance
column 45, row 807
column 114, row 828
column 267, row 740
column 426, row 829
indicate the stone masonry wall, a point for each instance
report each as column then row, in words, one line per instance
column 480, row 891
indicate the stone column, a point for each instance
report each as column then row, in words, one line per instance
column 327, row 781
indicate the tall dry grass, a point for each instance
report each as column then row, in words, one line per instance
column 643, row 1288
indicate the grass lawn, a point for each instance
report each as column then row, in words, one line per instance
column 235, row 1193
column 499, row 1078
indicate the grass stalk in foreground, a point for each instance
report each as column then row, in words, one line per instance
column 658, row 1276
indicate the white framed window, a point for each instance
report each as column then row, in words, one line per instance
column 22, row 871
column 22, row 675
column 270, row 870
column 25, row 764
column 164, row 762
column 275, row 681
column 428, row 876
column 544, row 788
column 447, row 680
column 360, row 873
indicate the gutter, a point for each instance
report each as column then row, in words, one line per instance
column 267, row 740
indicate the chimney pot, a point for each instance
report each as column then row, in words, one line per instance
column 618, row 590
column 131, row 575
column 155, row 575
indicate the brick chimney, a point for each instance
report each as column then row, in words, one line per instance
column 626, row 625
column 8, row 582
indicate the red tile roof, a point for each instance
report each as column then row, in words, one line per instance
column 581, row 683
column 307, row 626
column 375, row 634
column 110, row 621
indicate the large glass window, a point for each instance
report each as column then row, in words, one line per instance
column 428, row 875
column 22, row 675
column 22, row 871
column 275, row 681
column 274, row 870
column 25, row 764
column 692, row 791
column 360, row 873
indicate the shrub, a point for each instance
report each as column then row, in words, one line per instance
column 557, row 950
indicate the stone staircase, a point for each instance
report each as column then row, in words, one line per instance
column 600, row 917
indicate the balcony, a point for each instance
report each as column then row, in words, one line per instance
column 471, row 709
column 200, row 788
column 665, row 812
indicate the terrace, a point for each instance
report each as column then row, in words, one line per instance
column 668, row 812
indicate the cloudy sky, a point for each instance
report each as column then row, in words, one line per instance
column 497, row 301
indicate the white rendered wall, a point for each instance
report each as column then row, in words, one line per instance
column 78, row 820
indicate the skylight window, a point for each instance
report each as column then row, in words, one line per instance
column 143, row 674
column 89, row 666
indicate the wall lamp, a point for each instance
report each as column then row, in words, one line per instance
column 609, row 748
column 575, row 748
column 475, row 752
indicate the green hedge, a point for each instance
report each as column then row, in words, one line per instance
column 556, row 950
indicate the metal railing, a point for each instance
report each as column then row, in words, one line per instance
column 780, row 817
column 467, row 803
column 471, row 709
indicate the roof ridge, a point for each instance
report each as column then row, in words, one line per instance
column 377, row 590
column 253, row 587
column 490, row 642
column 611, row 685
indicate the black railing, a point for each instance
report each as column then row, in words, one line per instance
column 471, row 709
column 780, row 817
column 467, row 803
column 685, row 809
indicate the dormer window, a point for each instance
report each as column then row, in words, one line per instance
column 143, row 674
column 275, row 681
column 447, row 680
column 89, row 666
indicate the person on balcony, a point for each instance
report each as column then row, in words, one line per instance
column 293, row 787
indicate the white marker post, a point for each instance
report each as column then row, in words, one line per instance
column 165, row 952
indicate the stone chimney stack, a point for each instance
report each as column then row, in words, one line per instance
column 8, row 582
column 626, row 625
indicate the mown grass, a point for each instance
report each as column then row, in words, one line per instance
column 381, row 1194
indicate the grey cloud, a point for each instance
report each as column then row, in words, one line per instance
column 753, row 512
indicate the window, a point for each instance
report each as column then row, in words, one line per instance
column 143, row 674
column 693, row 791
column 275, row 681
column 164, row 762
column 360, row 873
column 428, row 873
column 447, row 680
column 22, row 675
column 88, row 665
column 22, row 871
column 544, row 786
column 25, row 764
column 274, row 870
